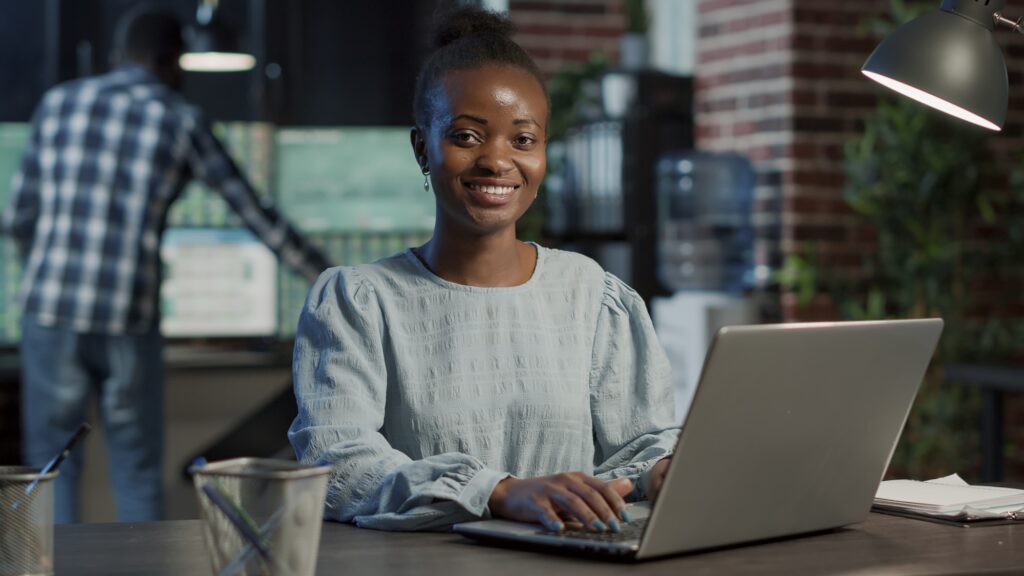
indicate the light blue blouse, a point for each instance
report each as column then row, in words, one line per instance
column 423, row 394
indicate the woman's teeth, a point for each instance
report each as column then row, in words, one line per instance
column 494, row 190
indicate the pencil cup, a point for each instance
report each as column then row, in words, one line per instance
column 26, row 521
column 261, row 516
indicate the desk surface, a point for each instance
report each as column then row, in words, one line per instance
column 882, row 545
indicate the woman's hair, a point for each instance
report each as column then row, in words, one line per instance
column 467, row 38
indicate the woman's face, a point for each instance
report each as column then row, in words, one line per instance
column 485, row 147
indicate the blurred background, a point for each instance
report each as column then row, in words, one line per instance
column 724, row 157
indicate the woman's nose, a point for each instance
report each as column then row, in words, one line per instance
column 495, row 159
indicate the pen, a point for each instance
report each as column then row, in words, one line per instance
column 240, row 560
column 54, row 463
column 221, row 502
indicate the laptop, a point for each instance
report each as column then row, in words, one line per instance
column 790, row 432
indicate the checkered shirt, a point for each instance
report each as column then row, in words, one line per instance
column 106, row 158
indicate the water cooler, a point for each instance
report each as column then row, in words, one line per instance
column 705, row 256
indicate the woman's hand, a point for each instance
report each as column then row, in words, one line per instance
column 656, row 477
column 574, row 496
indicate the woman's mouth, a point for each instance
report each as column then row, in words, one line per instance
column 491, row 194
column 492, row 190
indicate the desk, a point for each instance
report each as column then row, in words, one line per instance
column 882, row 545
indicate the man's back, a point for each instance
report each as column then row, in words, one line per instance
column 107, row 156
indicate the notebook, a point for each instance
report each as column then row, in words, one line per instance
column 790, row 431
column 950, row 498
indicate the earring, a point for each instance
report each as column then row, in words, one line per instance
column 426, row 179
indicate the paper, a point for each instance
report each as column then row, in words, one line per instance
column 951, row 497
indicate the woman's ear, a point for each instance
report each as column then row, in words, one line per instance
column 419, row 148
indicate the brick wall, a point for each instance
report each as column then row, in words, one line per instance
column 779, row 80
column 561, row 32
column 745, row 100
column 833, row 98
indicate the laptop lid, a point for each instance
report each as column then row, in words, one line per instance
column 791, row 430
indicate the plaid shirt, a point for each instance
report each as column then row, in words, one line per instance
column 106, row 158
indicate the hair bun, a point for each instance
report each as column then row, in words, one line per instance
column 470, row 21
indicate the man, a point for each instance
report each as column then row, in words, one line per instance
column 106, row 158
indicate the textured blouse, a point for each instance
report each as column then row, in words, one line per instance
column 422, row 394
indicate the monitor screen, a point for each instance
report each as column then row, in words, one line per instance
column 13, row 138
column 217, row 282
column 344, row 181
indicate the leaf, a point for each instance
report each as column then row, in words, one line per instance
column 988, row 213
column 875, row 305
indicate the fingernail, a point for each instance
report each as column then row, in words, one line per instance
column 598, row 525
column 625, row 516
column 553, row 525
column 614, row 524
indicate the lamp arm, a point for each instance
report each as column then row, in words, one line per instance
column 1016, row 25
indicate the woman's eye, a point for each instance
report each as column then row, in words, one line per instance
column 524, row 141
column 464, row 138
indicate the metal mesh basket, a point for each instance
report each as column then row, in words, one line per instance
column 26, row 521
column 280, row 501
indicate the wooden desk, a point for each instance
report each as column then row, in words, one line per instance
column 882, row 545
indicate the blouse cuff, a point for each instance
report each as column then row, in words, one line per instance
column 478, row 491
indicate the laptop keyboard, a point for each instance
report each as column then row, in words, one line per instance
column 629, row 532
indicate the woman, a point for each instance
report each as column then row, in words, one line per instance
column 478, row 375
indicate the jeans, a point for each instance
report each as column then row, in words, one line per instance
column 61, row 371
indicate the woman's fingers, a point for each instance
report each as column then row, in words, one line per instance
column 610, row 499
column 597, row 505
column 563, row 498
column 548, row 515
column 606, row 518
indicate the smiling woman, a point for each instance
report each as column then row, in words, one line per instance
column 478, row 375
column 483, row 145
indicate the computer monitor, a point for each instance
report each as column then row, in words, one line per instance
column 13, row 138
column 217, row 282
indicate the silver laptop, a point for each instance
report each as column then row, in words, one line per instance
column 790, row 431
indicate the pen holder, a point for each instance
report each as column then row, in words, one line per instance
column 26, row 521
column 261, row 516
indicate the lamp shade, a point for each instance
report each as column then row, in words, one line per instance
column 948, row 60
column 212, row 47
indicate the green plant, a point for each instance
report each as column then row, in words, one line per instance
column 637, row 19
column 945, row 231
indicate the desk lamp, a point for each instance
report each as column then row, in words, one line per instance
column 211, row 45
column 948, row 59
